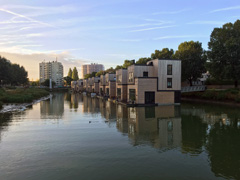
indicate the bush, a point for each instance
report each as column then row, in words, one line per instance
column 1, row 105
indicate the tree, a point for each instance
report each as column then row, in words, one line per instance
column 110, row 70
column 118, row 67
column 128, row 63
column 143, row 60
column 47, row 82
column 99, row 73
column 70, row 73
column 193, row 60
column 224, row 52
column 75, row 74
column 165, row 53
column 68, row 80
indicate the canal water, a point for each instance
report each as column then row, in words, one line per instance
column 71, row 136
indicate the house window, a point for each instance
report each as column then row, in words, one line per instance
column 145, row 74
column 130, row 77
column 119, row 92
column 169, row 69
column 169, row 82
column 132, row 94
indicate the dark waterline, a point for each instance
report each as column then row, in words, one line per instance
column 75, row 137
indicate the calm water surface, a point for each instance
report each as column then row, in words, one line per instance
column 76, row 137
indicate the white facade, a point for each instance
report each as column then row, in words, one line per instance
column 51, row 70
column 90, row 68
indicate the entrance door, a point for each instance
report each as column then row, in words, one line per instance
column 149, row 97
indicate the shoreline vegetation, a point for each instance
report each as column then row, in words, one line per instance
column 228, row 96
column 21, row 95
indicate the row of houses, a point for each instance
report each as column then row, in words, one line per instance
column 157, row 82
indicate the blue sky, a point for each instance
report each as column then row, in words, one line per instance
column 107, row 31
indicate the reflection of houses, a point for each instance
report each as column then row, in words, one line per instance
column 110, row 85
column 159, row 126
column 53, row 108
column 122, row 118
column 110, row 111
column 121, row 84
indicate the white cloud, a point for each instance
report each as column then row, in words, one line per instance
column 152, row 28
column 170, row 12
column 225, row 9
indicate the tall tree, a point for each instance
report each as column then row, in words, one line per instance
column 224, row 52
column 67, row 80
column 143, row 60
column 128, row 63
column 193, row 60
column 75, row 74
column 70, row 73
column 165, row 53
column 99, row 73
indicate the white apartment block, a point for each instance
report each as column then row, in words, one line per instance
column 90, row 68
column 51, row 70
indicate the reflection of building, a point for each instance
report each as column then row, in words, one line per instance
column 51, row 70
column 158, row 126
column 53, row 108
column 110, row 85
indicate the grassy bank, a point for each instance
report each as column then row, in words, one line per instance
column 229, row 95
column 21, row 95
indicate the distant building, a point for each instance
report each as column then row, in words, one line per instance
column 89, row 68
column 51, row 70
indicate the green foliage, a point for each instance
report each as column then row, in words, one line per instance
column 110, row 70
column 165, row 53
column 13, row 74
column 98, row 74
column 1, row 104
column 118, row 67
column 67, row 80
column 213, row 81
column 34, row 83
column 47, row 82
column 75, row 74
column 22, row 95
column 69, row 73
column 224, row 52
column 93, row 74
column 143, row 60
column 193, row 60
column 128, row 63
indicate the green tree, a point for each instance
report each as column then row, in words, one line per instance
column 193, row 60
column 165, row 53
column 99, row 73
column 224, row 52
column 128, row 63
column 70, row 73
column 75, row 74
column 68, row 80
column 118, row 67
column 110, row 70
column 143, row 60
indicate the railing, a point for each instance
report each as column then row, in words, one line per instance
column 193, row 88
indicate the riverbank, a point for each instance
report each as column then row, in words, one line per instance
column 227, row 97
column 21, row 95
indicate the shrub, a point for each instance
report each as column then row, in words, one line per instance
column 1, row 105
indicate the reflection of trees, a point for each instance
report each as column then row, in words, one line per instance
column 224, row 148
column 193, row 134
column 73, row 100
column 5, row 119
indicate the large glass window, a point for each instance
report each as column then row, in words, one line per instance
column 132, row 94
column 169, row 82
column 169, row 69
column 130, row 77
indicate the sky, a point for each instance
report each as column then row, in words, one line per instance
column 104, row 31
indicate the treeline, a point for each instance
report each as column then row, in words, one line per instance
column 12, row 74
column 222, row 59
column 72, row 76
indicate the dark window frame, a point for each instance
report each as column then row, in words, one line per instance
column 169, row 69
column 169, row 80
column 145, row 73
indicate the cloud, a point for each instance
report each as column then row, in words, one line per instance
column 179, row 37
column 152, row 28
column 31, row 61
column 225, row 9
column 171, row 12
column 207, row 22
column 25, row 17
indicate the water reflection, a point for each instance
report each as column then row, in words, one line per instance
column 53, row 108
column 192, row 133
